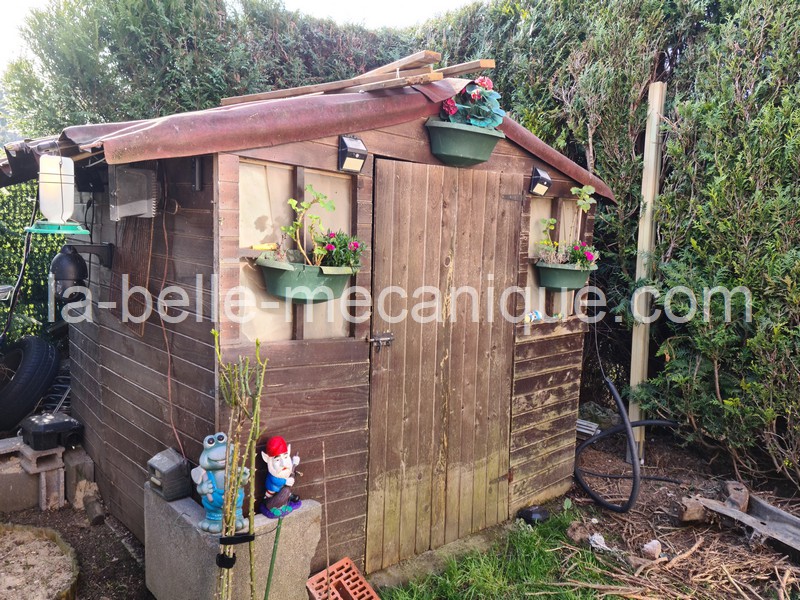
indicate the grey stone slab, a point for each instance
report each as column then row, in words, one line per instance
column 18, row 490
column 180, row 559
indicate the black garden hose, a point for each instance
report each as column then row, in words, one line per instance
column 636, row 477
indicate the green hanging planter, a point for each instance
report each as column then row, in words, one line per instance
column 460, row 145
column 301, row 283
column 562, row 276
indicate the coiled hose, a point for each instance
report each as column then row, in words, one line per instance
column 626, row 426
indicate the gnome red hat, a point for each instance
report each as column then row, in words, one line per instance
column 276, row 446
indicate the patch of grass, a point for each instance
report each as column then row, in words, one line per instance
column 526, row 561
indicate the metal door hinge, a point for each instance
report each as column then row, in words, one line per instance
column 381, row 340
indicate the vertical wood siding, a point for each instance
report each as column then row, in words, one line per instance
column 440, row 397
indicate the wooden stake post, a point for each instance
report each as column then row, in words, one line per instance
column 650, row 178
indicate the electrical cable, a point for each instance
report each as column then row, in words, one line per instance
column 633, row 451
column 18, row 285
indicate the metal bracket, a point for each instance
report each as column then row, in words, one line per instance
column 381, row 340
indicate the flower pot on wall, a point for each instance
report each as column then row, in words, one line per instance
column 562, row 276
column 302, row 283
column 460, row 145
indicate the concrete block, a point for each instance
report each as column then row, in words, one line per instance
column 51, row 489
column 77, row 467
column 38, row 461
column 10, row 445
column 180, row 560
column 18, row 490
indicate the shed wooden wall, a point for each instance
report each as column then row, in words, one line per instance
column 316, row 390
column 119, row 379
column 319, row 389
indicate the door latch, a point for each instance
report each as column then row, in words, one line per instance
column 381, row 340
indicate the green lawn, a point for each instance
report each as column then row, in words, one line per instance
column 524, row 564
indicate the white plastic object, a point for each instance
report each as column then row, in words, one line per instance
column 56, row 188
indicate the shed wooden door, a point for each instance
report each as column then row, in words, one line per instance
column 440, row 394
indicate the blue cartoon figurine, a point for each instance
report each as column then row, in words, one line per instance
column 210, row 479
column 278, row 498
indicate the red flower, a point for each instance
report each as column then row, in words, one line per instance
column 582, row 244
column 589, row 256
column 476, row 95
column 575, row 248
column 484, row 82
column 353, row 246
column 449, row 106
column 331, row 235
column 330, row 247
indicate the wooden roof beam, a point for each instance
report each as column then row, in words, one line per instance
column 319, row 88
column 419, row 59
column 395, row 83
column 467, row 67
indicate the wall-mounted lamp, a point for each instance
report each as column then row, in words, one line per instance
column 352, row 154
column 540, row 182
column 56, row 197
column 68, row 268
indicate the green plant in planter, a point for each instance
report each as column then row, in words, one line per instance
column 296, row 230
column 320, row 273
column 566, row 266
column 464, row 133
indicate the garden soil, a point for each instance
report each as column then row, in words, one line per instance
column 717, row 560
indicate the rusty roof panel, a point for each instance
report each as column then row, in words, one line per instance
column 263, row 124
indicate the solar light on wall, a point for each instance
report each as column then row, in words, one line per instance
column 56, row 197
column 540, row 182
column 352, row 154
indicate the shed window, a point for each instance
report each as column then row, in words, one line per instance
column 264, row 189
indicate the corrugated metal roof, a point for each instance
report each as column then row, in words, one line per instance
column 264, row 124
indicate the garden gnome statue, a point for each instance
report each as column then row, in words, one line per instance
column 278, row 499
column 210, row 479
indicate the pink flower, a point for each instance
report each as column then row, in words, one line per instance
column 575, row 248
column 353, row 246
column 331, row 235
column 484, row 82
column 476, row 95
column 589, row 256
column 582, row 244
column 449, row 106
column 330, row 247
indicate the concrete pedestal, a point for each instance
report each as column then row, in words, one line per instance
column 180, row 560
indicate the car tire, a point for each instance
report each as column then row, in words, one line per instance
column 27, row 368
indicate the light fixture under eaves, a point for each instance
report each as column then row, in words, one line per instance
column 352, row 154
column 56, row 197
column 540, row 182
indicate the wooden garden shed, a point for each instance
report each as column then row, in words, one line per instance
column 463, row 419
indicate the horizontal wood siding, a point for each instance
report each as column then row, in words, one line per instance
column 544, row 410
column 120, row 379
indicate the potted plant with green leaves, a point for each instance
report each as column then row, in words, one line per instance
column 322, row 262
column 566, row 266
column 465, row 132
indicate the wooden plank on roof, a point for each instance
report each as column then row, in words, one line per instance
column 418, row 59
column 395, row 83
column 467, row 67
column 320, row 88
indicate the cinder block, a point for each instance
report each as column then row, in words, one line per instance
column 51, row 489
column 77, row 467
column 38, row 461
column 10, row 445
column 18, row 489
column 180, row 560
